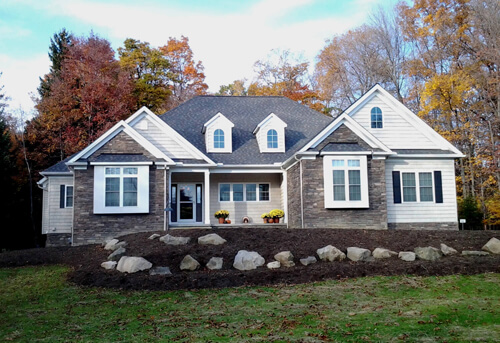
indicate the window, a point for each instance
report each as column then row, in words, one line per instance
column 346, row 181
column 239, row 192
column 272, row 139
column 219, row 139
column 69, row 196
column 423, row 184
column 121, row 189
column 376, row 118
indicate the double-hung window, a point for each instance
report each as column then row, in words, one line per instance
column 417, row 187
column 346, row 182
column 239, row 192
column 121, row 189
column 66, row 196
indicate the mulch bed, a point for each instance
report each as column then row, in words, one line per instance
column 85, row 260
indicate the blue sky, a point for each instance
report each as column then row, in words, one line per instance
column 227, row 36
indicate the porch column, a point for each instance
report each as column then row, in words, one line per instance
column 206, row 174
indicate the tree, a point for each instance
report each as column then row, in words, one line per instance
column 187, row 77
column 236, row 88
column 90, row 95
column 150, row 71
column 58, row 48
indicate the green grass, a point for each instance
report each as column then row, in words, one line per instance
column 37, row 304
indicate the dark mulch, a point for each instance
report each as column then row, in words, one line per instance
column 86, row 260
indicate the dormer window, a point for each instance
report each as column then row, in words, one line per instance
column 272, row 139
column 270, row 134
column 219, row 139
column 376, row 118
column 218, row 134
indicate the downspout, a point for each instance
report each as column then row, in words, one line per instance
column 165, row 199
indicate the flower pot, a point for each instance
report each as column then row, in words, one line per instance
column 270, row 220
column 265, row 220
column 221, row 220
column 276, row 220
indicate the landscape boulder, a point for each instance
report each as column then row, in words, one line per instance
column 109, row 264
column 274, row 265
column 308, row 260
column 493, row 246
column 383, row 253
column 446, row 250
column 248, row 260
column 189, row 263
column 131, row 264
column 215, row 263
column 160, row 271
column 285, row 258
column 117, row 254
column 154, row 236
column 474, row 253
column 110, row 245
column 358, row 254
column 408, row 256
column 212, row 239
column 330, row 253
column 428, row 253
column 172, row 240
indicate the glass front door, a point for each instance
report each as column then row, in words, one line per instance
column 186, row 201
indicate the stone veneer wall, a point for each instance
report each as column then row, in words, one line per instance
column 58, row 239
column 89, row 228
column 294, row 205
column 424, row 226
column 315, row 213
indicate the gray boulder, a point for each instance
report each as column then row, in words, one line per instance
column 407, row 256
column 474, row 253
column 428, row 253
column 330, row 253
column 212, row 238
column 215, row 263
column 447, row 251
column 358, row 254
column 274, row 265
column 383, row 253
column 160, row 271
column 109, row 264
column 248, row 260
column 133, row 264
column 189, row 263
column 285, row 258
column 117, row 254
column 119, row 245
column 493, row 246
column 110, row 245
column 308, row 260
column 154, row 236
column 172, row 240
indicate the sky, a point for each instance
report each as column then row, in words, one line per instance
column 228, row 36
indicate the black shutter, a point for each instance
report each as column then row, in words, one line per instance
column 173, row 203
column 438, row 186
column 62, row 196
column 199, row 203
column 396, row 187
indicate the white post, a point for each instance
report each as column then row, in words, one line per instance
column 207, row 196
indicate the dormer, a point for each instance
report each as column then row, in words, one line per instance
column 270, row 134
column 218, row 134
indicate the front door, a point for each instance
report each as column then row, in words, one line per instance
column 187, row 202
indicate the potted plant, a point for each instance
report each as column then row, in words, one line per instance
column 221, row 215
column 265, row 217
column 276, row 215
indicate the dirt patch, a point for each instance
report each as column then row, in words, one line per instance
column 86, row 260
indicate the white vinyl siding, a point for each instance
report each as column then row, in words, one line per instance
column 239, row 209
column 397, row 132
column 163, row 142
column 422, row 211
column 219, row 122
column 56, row 219
column 276, row 124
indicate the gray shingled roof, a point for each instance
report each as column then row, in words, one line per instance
column 336, row 147
column 121, row 158
column 246, row 113
column 422, row 151
column 59, row 167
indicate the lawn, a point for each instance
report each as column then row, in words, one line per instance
column 38, row 304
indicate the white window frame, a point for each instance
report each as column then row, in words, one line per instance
column 66, row 196
column 417, row 186
column 100, row 190
column 382, row 118
column 328, row 182
column 257, row 191
column 272, row 142
column 223, row 140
